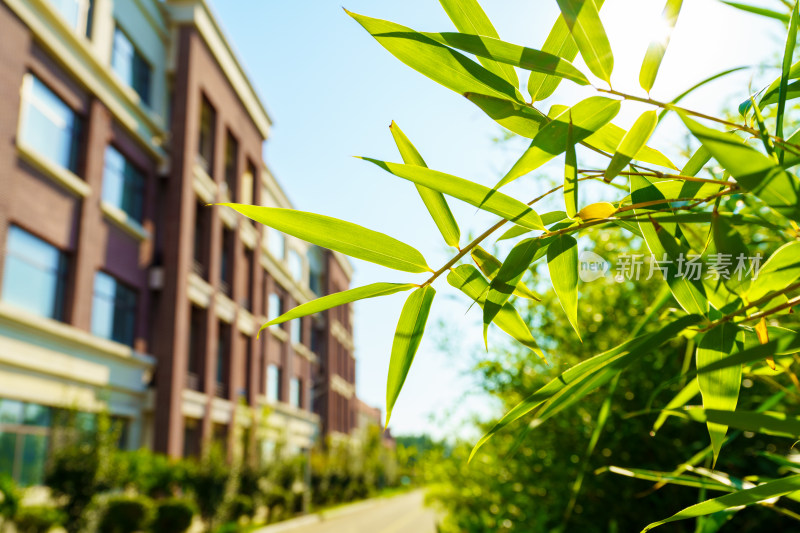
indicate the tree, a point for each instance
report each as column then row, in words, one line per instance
column 724, row 247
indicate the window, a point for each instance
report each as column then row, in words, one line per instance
column 123, row 184
column 226, row 260
column 49, row 125
column 202, row 225
column 197, row 328
column 208, row 122
column 295, row 265
column 131, row 66
column 231, row 165
column 247, row 342
column 35, row 274
column 113, row 310
column 274, row 306
column 316, row 270
column 276, row 243
column 250, row 262
column 223, row 359
column 248, row 193
column 297, row 331
column 77, row 13
column 273, row 383
column 24, row 440
column 295, row 392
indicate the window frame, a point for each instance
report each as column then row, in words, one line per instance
column 139, row 64
column 130, row 308
column 130, row 173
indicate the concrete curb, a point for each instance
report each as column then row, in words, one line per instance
column 322, row 516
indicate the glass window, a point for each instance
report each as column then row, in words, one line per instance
column 226, row 262
column 37, row 415
column 131, row 66
column 11, row 411
column 295, row 392
column 231, row 166
column 276, row 243
column 113, row 310
column 223, row 359
column 295, row 265
column 77, row 13
column 274, row 307
column 123, row 184
column 273, row 383
column 34, row 275
column 297, row 331
column 248, row 189
column 316, row 270
column 205, row 149
column 49, row 125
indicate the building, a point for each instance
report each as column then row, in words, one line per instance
column 121, row 291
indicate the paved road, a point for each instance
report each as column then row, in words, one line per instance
column 400, row 514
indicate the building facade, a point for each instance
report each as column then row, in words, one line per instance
column 122, row 291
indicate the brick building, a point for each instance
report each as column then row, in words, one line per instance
column 121, row 291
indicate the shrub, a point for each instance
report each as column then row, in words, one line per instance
column 125, row 514
column 9, row 497
column 242, row 506
column 38, row 519
column 173, row 516
column 207, row 481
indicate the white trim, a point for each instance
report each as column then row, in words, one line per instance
column 58, row 174
column 121, row 219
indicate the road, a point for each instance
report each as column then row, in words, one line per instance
column 400, row 514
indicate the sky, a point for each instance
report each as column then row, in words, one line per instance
column 332, row 92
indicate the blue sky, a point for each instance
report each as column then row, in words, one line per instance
column 332, row 91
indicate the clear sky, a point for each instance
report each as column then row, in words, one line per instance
column 332, row 91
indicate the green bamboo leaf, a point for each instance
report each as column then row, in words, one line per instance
column 469, row 17
column 440, row 63
column 762, row 128
column 672, row 479
column 595, row 371
column 658, row 233
column 696, row 163
column 508, row 277
column 434, row 200
column 791, row 40
column 338, row 235
column 562, row 261
column 333, row 300
column 783, row 17
column 511, row 54
column 720, row 388
column 778, row 272
column 767, row 422
column 468, row 280
column 754, row 171
column 466, row 191
column 691, row 390
column 407, row 337
column 609, row 137
column 658, row 46
column 571, row 176
column 583, row 21
column 771, row 489
column 730, row 243
column 490, row 265
column 634, row 140
column 587, row 117
column 518, row 118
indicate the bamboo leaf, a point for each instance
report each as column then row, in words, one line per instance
column 769, row 422
column 571, row 176
column 691, row 390
column 434, row 200
column 791, row 40
column 562, row 261
column 609, row 137
column 559, row 42
column 658, row 46
column 466, row 191
column 338, row 235
column 508, row 277
column 587, row 117
column 583, row 21
column 634, row 140
column 753, row 171
column 771, row 489
column 490, row 265
column 511, row 54
column 407, row 337
column 672, row 479
column 778, row 272
column 333, row 300
column 468, row 280
column 440, row 63
column 759, row 11
column 598, row 210
column 719, row 388
column 605, row 366
column 518, row 118
column 469, row 17
column 729, row 242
